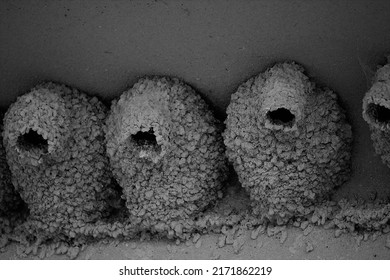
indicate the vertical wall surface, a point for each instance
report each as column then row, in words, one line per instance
column 102, row 47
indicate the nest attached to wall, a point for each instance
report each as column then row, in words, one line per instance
column 54, row 141
column 167, row 153
column 289, row 142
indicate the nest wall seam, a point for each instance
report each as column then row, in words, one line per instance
column 55, row 149
column 289, row 142
column 167, row 153
column 376, row 112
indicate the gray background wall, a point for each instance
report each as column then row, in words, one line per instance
column 103, row 46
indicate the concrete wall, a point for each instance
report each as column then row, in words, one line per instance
column 103, row 46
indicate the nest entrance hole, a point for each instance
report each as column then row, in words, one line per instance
column 378, row 113
column 281, row 116
column 32, row 140
column 147, row 142
column 145, row 138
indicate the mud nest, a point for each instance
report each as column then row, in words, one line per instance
column 55, row 148
column 376, row 112
column 288, row 140
column 167, row 153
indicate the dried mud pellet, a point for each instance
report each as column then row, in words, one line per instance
column 308, row 230
column 73, row 252
column 221, row 241
column 329, row 225
column 296, row 224
column 229, row 239
column 198, row 244
column 283, row 237
column 196, row 237
column 289, row 142
column 255, row 233
column 309, row 247
column 338, row 233
column 304, row 225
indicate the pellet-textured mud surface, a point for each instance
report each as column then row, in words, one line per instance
column 299, row 241
column 289, row 142
column 167, row 154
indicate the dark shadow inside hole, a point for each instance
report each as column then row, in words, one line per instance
column 145, row 138
column 32, row 140
column 378, row 112
column 116, row 210
column 281, row 116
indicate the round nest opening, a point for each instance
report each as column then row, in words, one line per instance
column 146, row 141
column 281, row 116
column 32, row 140
column 378, row 113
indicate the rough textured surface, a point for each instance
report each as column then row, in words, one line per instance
column 288, row 140
column 362, row 216
column 230, row 220
column 9, row 198
column 11, row 205
column 54, row 142
column 326, row 246
column 376, row 112
column 167, row 154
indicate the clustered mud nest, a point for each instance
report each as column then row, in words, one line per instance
column 288, row 140
column 167, row 153
column 54, row 140
column 167, row 157
column 154, row 165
